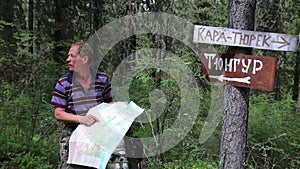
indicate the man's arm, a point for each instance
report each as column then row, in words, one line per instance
column 61, row 115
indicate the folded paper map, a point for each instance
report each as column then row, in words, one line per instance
column 93, row 145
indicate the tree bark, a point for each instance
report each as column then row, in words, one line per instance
column 58, row 32
column 98, row 14
column 30, row 25
column 6, row 34
column 236, row 99
column 296, row 78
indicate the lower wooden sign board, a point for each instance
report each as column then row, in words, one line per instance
column 240, row 70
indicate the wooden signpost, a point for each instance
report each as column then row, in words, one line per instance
column 243, row 38
column 240, row 70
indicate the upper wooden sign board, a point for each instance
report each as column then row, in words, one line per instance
column 243, row 38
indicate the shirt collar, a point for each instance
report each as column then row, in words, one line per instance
column 71, row 74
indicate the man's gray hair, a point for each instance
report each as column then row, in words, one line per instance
column 86, row 50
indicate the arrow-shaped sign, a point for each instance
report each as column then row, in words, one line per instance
column 221, row 78
column 244, row 38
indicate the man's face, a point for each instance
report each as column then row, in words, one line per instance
column 73, row 57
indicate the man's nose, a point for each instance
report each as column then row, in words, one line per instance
column 68, row 59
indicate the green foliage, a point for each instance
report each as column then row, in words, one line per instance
column 29, row 138
column 27, row 124
column 273, row 132
column 23, row 154
column 24, row 42
column 25, row 161
column 186, row 164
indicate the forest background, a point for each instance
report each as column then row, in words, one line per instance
column 35, row 38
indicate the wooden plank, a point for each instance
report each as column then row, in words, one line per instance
column 243, row 38
column 248, row 71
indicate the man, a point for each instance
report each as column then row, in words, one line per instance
column 80, row 89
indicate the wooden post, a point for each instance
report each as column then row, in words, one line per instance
column 236, row 99
column 296, row 77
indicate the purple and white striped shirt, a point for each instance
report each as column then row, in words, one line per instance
column 71, row 95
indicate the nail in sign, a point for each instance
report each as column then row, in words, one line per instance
column 240, row 70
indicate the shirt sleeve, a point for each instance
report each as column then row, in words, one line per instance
column 108, row 95
column 59, row 98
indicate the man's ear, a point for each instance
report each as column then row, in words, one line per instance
column 85, row 59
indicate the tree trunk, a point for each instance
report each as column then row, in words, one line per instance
column 98, row 14
column 236, row 99
column 58, row 33
column 296, row 78
column 30, row 25
column 6, row 34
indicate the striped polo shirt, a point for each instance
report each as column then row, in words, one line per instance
column 71, row 95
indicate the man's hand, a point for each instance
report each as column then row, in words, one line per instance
column 87, row 120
